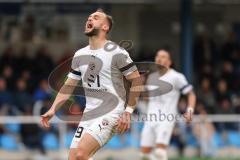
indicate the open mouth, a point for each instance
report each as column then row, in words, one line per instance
column 89, row 25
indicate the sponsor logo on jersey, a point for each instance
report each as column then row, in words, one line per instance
column 105, row 122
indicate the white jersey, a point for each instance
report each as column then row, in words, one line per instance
column 167, row 103
column 159, row 132
column 102, row 73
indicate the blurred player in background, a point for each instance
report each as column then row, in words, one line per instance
column 156, row 135
column 92, row 134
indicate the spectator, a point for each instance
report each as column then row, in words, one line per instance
column 9, row 76
column 226, row 108
column 181, row 128
column 229, row 75
column 178, row 138
column 22, row 99
column 207, row 70
column 204, row 132
column 31, row 134
column 206, row 95
column 222, row 91
column 76, row 111
column 5, row 96
column 43, row 91
column 26, row 76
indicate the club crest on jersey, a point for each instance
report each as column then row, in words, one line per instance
column 105, row 122
column 92, row 66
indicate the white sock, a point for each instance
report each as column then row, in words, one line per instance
column 161, row 154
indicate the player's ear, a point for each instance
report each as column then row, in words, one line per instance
column 105, row 27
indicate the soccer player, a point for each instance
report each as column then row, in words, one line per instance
column 156, row 135
column 100, row 66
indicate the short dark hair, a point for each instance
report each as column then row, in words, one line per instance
column 109, row 19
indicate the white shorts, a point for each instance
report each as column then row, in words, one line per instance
column 156, row 133
column 102, row 129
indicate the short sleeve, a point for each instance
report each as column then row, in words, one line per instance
column 183, row 85
column 125, row 63
column 75, row 73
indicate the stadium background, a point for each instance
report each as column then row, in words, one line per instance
column 203, row 35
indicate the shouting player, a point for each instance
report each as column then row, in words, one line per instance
column 100, row 66
column 156, row 135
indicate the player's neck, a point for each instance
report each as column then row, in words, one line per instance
column 164, row 70
column 97, row 42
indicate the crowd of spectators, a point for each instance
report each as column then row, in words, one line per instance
column 23, row 83
column 23, row 80
column 217, row 76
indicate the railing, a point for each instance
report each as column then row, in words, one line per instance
column 62, row 125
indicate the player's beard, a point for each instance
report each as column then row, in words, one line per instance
column 162, row 69
column 93, row 32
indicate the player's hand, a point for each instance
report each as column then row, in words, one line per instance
column 46, row 117
column 188, row 115
column 124, row 122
